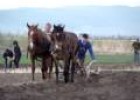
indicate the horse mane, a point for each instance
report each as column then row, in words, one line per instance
column 43, row 34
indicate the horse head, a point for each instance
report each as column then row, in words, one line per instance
column 58, row 28
column 33, row 36
column 58, row 36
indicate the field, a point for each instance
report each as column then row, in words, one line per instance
column 104, row 86
column 108, row 85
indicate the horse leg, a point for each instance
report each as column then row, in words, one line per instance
column 56, row 71
column 73, row 71
column 66, row 70
column 50, row 66
column 33, row 69
column 44, row 69
column 74, row 63
column 50, row 71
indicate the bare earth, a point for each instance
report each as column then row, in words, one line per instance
column 105, row 86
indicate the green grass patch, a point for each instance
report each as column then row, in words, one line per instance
column 100, row 58
column 112, row 58
column 24, row 60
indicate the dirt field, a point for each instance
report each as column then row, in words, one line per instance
column 105, row 86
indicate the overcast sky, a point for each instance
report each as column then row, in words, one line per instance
column 8, row 4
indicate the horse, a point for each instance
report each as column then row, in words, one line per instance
column 39, row 47
column 65, row 48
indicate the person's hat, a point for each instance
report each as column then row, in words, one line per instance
column 85, row 36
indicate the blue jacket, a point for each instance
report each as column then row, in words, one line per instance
column 83, row 47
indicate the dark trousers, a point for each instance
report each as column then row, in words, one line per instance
column 81, row 66
column 16, row 61
column 6, row 62
column 137, row 57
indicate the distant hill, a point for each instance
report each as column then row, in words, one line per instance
column 97, row 20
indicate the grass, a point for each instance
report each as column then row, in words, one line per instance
column 112, row 58
column 100, row 58
column 24, row 60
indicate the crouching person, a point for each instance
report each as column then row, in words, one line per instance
column 8, row 57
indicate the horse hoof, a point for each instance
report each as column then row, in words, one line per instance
column 66, row 80
column 44, row 78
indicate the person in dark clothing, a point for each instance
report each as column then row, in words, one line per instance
column 8, row 55
column 17, row 53
column 136, row 47
column 84, row 46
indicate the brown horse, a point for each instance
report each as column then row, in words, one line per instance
column 65, row 48
column 39, row 46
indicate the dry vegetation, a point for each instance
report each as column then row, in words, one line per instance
column 113, row 46
column 100, row 46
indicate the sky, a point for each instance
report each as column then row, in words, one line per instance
column 10, row 4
